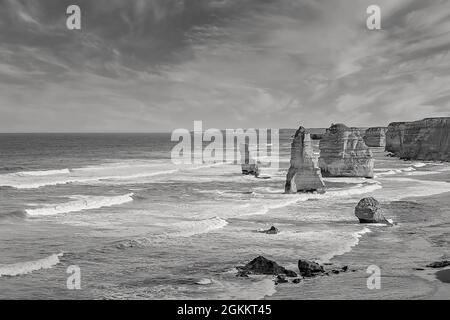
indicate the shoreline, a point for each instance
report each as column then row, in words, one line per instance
column 398, row 251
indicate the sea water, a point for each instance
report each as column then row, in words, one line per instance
column 140, row 227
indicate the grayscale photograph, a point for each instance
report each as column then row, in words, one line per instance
column 229, row 150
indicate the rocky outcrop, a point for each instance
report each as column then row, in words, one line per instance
column 343, row 153
column 249, row 165
column 271, row 230
column 369, row 210
column 304, row 173
column 261, row 265
column 427, row 139
column 375, row 137
column 310, row 268
column 439, row 264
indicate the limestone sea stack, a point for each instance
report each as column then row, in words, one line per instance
column 427, row 139
column 304, row 173
column 375, row 137
column 343, row 153
column 249, row 165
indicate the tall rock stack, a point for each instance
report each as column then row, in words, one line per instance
column 427, row 139
column 343, row 153
column 375, row 137
column 394, row 137
column 304, row 174
column 249, row 165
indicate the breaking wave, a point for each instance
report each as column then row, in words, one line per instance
column 42, row 173
column 80, row 203
column 186, row 229
column 21, row 268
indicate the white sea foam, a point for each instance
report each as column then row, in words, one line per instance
column 80, row 203
column 181, row 229
column 190, row 228
column 102, row 174
column 21, row 268
column 204, row 281
column 345, row 246
column 291, row 199
column 43, row 172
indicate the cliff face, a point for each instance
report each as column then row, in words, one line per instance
column 375, row 137
column 427, row 139
column 395, row 136
column 343, row 153
column 304, row 174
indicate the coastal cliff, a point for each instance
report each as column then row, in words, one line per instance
column 304, row 174
column 343, row 153
column 375, row 137
column 427, row 139
column 394, row 136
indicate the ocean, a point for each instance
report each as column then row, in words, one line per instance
column 141, row 227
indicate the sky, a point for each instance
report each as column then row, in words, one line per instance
column 158, row 65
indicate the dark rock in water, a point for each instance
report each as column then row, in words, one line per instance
column 272, row 230
column 335, row 271
column 242, row 273
column 419, row 269
column 309, row 268
column 344, row 269
column 249, row 165
column 281, row 279
column 261, row 265
column 369, row 210
column 439, row 264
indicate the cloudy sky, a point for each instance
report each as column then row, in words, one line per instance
column 156, row 65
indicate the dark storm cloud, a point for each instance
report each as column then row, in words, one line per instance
column 156, row 65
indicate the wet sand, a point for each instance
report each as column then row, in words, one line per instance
column 443, row 275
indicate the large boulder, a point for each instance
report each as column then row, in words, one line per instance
column 249, row 165
column 261, row 265
column 304, row 173
column 369, row 210
column 343, row 153
column 427, row 139
column 375, row 137
column 310, row 268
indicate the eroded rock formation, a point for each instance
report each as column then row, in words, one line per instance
column 303, row 174
column 249, row 165
column 375, row 137
column 343, row 153
column 427, row 139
